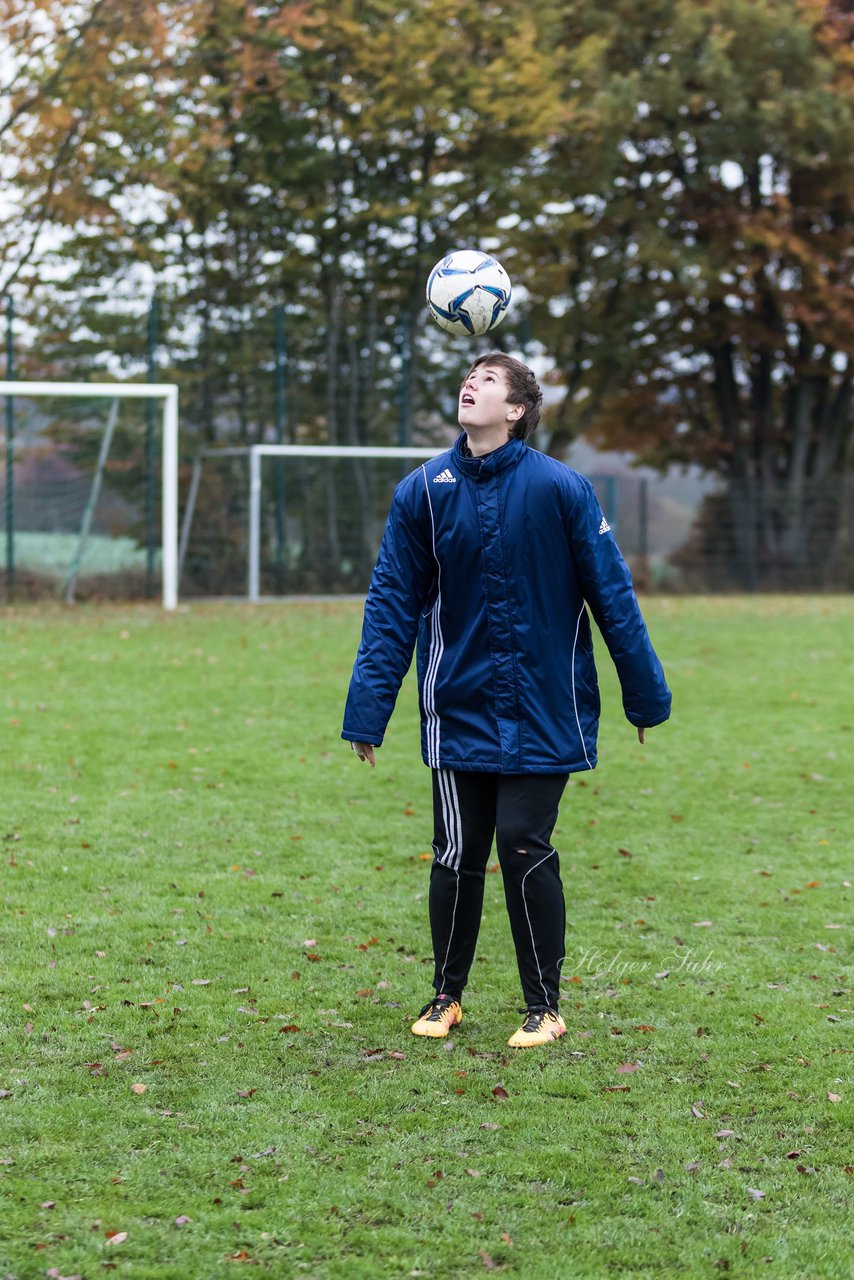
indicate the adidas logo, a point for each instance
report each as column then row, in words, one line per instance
column 445, row 477
column 604, row 526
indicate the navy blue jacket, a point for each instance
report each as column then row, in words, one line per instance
column 488, row 563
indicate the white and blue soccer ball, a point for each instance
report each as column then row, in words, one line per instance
column 468, row 292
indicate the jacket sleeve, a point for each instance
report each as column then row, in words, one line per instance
column 401, row 584
column 606, row 584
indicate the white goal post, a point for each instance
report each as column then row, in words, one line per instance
column 168, row 393
column 256, row 454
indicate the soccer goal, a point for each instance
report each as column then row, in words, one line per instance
column 288, row 519
column 61, row 549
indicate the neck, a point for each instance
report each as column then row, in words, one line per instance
column 486, row 439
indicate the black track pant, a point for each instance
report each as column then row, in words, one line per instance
column 520, row 811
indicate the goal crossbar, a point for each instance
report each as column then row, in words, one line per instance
column 168, row 393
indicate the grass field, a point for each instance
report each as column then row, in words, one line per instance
column 215, row 937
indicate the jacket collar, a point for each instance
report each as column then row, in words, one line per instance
column 491, row 464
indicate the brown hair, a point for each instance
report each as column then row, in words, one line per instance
column 522, row 388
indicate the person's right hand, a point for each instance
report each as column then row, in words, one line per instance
column 365, row 751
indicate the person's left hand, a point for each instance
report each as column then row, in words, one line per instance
column 641, row 733
column 365, row 751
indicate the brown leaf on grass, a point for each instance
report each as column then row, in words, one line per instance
column 365, row 991
column 292, row 1026
column 246, row 1093
column 725, row 1133
column 313, row 956
column 617, row 1088
column 624, row 853
column 138, row 1088
column 488, row 1262
column 500, row 1092
column 758, row 1017
column 626, row 1068
column 116, row 1237
column 488, row 1124
column 696, row 1110
column 182, row 1220
column 834, row 1097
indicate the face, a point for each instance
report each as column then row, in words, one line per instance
column 483, row 400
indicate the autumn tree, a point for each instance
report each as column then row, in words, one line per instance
column 693, row 255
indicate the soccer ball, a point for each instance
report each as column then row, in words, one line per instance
column 468, row 292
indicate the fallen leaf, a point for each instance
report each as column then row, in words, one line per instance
column 500, row 1092
column 757, row 1195
column 182, row 1220
column 834, row 1097
column 626, row 1068
column 487, row 1261
column 138, row 1088
column 116, row 1237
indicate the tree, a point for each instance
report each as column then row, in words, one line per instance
column 701, row 239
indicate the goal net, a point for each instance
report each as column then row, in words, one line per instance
column 272, row 520
column 88, row 490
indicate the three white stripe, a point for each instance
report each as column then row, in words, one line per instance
column 452, row 820
column 437, row 648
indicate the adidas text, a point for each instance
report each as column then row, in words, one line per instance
column 445, row 477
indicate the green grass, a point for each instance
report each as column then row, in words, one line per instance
column 54, row 553
column 207, row 895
